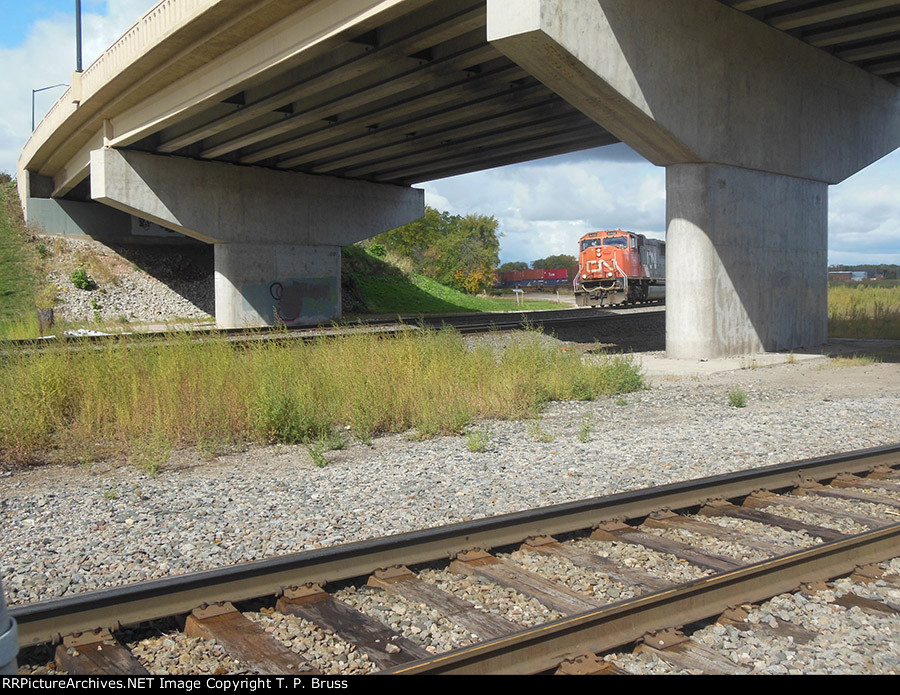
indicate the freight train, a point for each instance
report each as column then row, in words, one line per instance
column 535, row 279
column 616, row 267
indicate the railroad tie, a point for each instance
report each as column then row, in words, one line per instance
column 555, row 596
column 869, row 483
column 762, row 500
column 852, row 600
column 872, row 574
column 845, row 494
column 245, row 640
column 96, row 653
column 737, row 618
column 748, row 512
column 382, row 645
column 584, row 559
column 401, row 582
column 624, row 533
column 682, row 652
column 670, row 520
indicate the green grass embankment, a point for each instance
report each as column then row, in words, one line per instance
column 380, row 288
column 18, row 264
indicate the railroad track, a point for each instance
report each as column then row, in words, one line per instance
column 464, row 323
column 307, row 585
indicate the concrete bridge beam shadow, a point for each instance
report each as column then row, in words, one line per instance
column 277, row 235
column 751, row 124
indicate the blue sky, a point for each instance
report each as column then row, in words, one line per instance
column 543, row 207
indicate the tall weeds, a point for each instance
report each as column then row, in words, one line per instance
column 140, row 399
column 864, row 311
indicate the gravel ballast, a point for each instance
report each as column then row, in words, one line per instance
column 72, row 529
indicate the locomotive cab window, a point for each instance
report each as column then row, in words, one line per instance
column 616, row 241
column 587, row 243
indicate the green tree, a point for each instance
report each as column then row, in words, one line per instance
column 512, row 265
column 460, row 252
column 558, row 261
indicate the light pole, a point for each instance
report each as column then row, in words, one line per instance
column 35, row 91
column 77, row 35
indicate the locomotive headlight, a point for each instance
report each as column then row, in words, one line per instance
column 584, row 277
column 609, row 275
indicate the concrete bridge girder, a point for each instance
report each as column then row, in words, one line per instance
column 751, row 124
column 277, row 235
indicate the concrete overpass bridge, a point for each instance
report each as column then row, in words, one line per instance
column 280, row 130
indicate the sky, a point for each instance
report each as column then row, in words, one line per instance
column 543, row 207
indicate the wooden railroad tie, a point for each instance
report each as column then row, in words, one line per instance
column 245, row 640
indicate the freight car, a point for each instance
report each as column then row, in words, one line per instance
column 535, row 279
column 616, row 267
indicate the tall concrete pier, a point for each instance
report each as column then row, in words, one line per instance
column 281, row 131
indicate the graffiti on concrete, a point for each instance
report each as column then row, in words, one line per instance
column 299, row 298
column 294, row 301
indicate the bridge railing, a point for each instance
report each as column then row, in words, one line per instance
column 149, row 30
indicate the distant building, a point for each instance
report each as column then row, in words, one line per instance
column 848, row 275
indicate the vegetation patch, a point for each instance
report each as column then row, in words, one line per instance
column 478, row 440
column 19, row 262
column 864, row 310
column 853, row 360
column 372, row 285
column 737, row 398
column 144, row 400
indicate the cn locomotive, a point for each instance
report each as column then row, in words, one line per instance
column 616, row 267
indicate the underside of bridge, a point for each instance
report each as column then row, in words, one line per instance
column 280, row 130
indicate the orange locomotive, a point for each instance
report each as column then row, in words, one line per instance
column 616, row 267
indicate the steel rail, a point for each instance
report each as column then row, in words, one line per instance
column 465, row 323
column 546, row 646
column 46, row 621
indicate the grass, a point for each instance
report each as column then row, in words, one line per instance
column 478, row 440
column 539, row 434
column 584, row 429
column 377, row 287
column 737, row 398
column 853, row 360
column 19, row 261
column 864, row 311
column 142, row 401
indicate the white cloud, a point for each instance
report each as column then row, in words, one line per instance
column 45, row 57
column 545, row 206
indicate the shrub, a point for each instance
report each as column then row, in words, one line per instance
column 737, row 398
column 81, row 279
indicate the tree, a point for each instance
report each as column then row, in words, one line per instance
column 570, row 263
column 457, row 251
column 513, row 265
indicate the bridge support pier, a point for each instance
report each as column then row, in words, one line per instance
column 746, row 253
column 277, row 235
column 269, row 284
